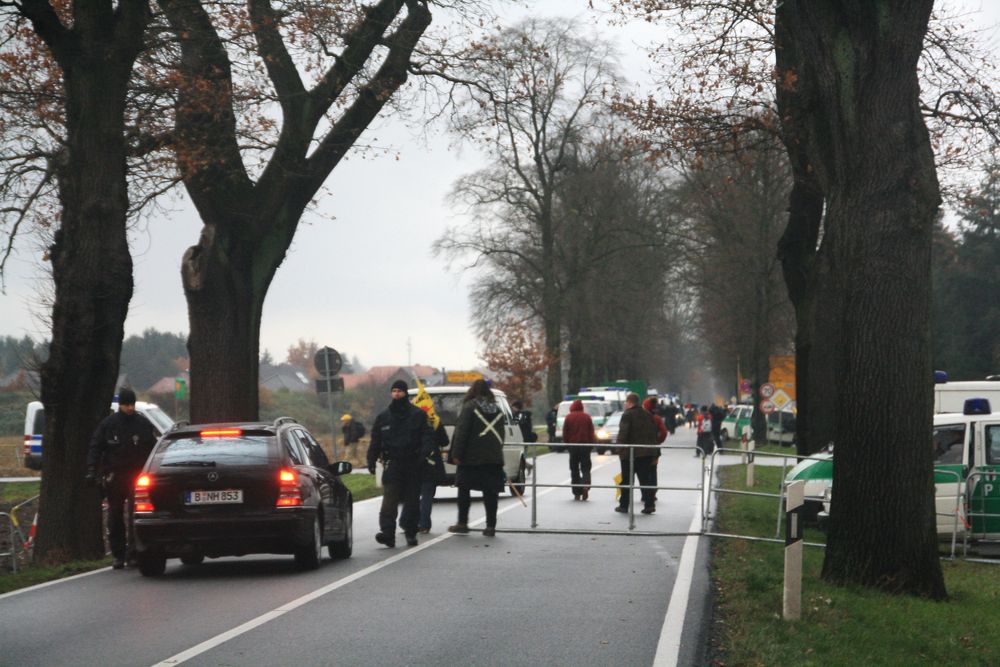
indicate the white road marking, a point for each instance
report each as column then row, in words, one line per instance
column 209, row 644
column 669, row 647
column 53, row 582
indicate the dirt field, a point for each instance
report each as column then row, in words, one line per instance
column 10, row 465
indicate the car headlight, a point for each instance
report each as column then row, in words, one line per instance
column 602, row 434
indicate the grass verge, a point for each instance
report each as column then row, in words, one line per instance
column 18, row 492
column 39, row 574
column 839, row 626
column 362, row 486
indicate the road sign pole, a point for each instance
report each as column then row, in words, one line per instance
column 329, row 406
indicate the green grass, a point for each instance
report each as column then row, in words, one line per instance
column 839, row 626
column 39, row 574
column 18, row 492
column 361, row 486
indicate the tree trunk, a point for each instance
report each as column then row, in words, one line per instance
column 92, row 275
column 873, row 159
column 225, row 282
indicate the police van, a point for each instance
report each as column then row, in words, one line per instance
column 448, row 404
column 34, row 426
column 966, row 473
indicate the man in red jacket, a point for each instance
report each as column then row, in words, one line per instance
column 579, row 428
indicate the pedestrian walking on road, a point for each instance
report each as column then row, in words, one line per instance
column 717, row 413
column 689, row 416
column 477, row 450
column 118, row 451
column 637, row 427
column 402, row 439
column 579, row 428
column 551, row 419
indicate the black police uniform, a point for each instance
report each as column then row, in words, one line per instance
column 118, row 450
column 402, row 437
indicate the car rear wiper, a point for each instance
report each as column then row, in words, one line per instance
column 193, row 464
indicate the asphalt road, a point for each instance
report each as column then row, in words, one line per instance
column 516, row 599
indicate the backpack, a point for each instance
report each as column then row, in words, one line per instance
column 359, row 430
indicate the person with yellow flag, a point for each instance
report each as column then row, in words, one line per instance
column 432, row 469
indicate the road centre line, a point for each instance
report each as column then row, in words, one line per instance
column 211, row 643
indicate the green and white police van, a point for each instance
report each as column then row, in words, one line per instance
column 966, row 473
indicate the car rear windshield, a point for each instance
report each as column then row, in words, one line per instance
column 447, row 407
column 194, row 450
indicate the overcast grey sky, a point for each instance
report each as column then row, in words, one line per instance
column 365, row 282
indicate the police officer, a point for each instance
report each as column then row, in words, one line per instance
column 118, row 450
column 402, row 438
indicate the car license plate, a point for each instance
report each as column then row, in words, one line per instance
column 220, row 497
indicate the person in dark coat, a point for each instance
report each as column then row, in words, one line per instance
column 432, row 474
column 352, row 429
column 522, row 418
column 637, row 427
column 717, row 413
column 705, row 441
column 402, row 439
column 118, row 451
column 579, row 428
column 551, row 419
column 477, row 450
column 670, row 417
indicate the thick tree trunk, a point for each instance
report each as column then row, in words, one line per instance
column 873, row 159
column 225, row 282
column 92, row 275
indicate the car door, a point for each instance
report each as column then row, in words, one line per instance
column 952, row 446
column 332, row 491
column 984, row 485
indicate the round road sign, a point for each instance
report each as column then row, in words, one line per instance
column 767, row 407
column 328, row 361
column 766, row 390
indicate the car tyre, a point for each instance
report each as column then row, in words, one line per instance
column 522, row 477
column 307, row 556
column 193, row 559
column 344, row 548
column 151, row 565
column 725, row 435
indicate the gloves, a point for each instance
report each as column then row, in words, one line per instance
column 90, row 479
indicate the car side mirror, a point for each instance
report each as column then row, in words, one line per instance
column 340, row 467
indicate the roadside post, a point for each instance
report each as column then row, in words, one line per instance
column 748, row 447
column 792, row 604
column 328, row 363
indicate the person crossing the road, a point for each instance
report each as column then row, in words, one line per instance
column 637, row 427
column 579, row 428
column 477, row 450
column 118, row 450
column 402, row 439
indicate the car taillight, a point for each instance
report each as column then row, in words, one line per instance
column 143, row 504
column 27, row 445
column 289, row 493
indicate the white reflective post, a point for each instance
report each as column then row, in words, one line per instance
column 792, row 606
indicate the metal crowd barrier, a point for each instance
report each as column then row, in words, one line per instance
column 630, row 488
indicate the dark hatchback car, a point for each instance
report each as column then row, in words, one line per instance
column 234, row 489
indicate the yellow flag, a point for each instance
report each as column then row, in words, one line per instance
column 423, row 401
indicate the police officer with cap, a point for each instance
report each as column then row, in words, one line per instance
column 118, row 450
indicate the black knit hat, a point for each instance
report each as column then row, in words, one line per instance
column 126, row 396
column 401, row 385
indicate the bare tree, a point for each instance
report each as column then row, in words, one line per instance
column 536, row 89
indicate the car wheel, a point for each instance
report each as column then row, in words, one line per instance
column 307, row 556
column 522, row 477
column 151, row 565
column 193, row 559
column 725, row 434
column 345, row 547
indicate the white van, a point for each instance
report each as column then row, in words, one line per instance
column 447, row 405
column 950, row 396
column 34, row 426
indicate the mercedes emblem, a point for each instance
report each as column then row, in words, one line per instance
column 213, row 477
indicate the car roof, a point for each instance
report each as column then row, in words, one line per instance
column 451, row 389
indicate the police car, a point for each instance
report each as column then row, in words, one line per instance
column 966, row 473
column 448, row 403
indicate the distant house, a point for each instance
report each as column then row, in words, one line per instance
column 165, row 385
column 285, row 377
column 384, row 376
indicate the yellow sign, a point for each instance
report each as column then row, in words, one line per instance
column 782, row 374
column 463, row 377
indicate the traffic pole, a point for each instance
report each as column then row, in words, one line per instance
column 792, row 605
